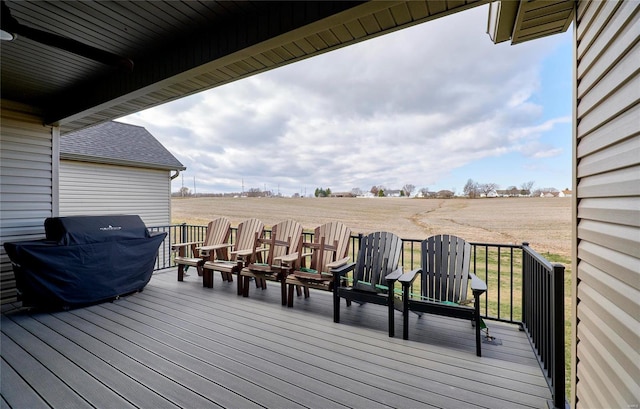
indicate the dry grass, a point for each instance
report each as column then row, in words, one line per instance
column 543, row 222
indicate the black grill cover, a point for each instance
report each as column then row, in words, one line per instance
column 84, row 260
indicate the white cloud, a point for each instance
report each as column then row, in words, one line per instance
column 408, row 107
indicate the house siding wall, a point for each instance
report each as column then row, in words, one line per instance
column 606, row 289
column 96, row 189
column 27, row 182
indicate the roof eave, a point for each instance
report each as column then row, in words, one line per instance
column 118, row 162
column 521, row 21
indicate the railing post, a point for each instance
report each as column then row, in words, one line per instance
column 183, row 233
column 558, row 336
column 526, row 277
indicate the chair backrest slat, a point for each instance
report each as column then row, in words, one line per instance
column 288, row 231
column 379, row 255
column 248, row 231
column 218, row 231
column 334, row 235
column 445, row 268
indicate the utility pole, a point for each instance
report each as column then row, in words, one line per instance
column 194, row 185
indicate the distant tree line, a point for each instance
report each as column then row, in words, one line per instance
column 253, row 192
column 472, row 190
column 320, row 192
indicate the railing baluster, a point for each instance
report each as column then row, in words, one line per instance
column 511, row 286
column 499, row 280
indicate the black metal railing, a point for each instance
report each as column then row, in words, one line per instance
column 543, row 318
column 522, row 288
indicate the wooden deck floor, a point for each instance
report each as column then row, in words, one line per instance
column 182, row 345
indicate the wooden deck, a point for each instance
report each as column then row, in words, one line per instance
column 178, row 344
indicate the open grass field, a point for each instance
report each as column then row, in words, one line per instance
column 543, row 222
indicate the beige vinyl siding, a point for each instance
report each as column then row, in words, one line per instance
column 27, row 175
column 96, row 189
column 607, row 286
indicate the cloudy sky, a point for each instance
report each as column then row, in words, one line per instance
column 432, row 106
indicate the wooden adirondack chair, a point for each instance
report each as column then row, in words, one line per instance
column 444, row 280
column 218, row 231
column 374, row 275
column 281, row 248
column 329, row 249
column 242, row 252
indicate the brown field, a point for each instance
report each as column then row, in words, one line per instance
column 543, row 222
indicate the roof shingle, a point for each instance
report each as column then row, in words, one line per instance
column 118, row 143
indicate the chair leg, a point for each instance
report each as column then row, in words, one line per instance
column 180, row 272
column 240, row 289
column 405, row 312
column 207, row 278
column 476, row 306
column 245, row 286
column 306, row 292
column 392, row 324
column 283, row 291
column 478, row 337
column 336, row 306
column 290, row 295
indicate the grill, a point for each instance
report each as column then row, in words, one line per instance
column 84, row 260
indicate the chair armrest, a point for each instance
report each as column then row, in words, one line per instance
column 214, row 247
column 477, row 285
column 242, row 253
column 338, row 263
column 408, row 278
column 342, row 270
column 176, row 246
column 394, row 275
column 288, row 258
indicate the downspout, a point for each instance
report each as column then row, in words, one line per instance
column 176, row 175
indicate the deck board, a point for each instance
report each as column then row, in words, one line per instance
column 178, row 344
column 100, row 370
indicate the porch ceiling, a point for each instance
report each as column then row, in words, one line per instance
column 180, row 48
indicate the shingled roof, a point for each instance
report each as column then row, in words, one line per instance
column 118, row 144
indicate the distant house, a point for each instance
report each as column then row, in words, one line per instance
column 343, row 194
column 444, row 194
column 565, row 193
column 550, row 194
column 393, row 193
column 116, row 168
column 513, row 192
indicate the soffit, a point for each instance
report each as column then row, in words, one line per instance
column 179, row 47
column 183, row 47
column 536, row 19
